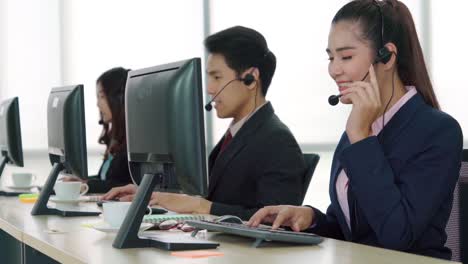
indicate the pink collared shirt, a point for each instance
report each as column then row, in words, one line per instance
column 342, row 181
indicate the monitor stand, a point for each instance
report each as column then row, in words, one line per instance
column 3, row 162
column 127, row 237
column 40, row 207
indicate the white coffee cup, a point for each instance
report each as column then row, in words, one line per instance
column 70, row 190
column 115, row 212
column 22, row 179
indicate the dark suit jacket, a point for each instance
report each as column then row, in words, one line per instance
column 117, row 175
column 262, row 165
column 401, row 183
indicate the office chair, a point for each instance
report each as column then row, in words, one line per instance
column 457, row 224
column 311, row 161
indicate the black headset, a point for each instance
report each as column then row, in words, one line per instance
column 383, row 54
column 248, row 79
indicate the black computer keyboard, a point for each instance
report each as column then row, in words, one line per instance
column 259, row 233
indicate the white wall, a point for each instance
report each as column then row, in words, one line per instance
column 50, row 43
column 99, row 35
column 449, row 39
column 3, row 51
column 30, row 45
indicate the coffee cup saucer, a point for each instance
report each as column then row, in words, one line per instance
column 106, row 228
column 20, row 187
column 55, row 199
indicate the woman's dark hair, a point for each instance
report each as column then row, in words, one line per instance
column 113, row 86
column 398, row 28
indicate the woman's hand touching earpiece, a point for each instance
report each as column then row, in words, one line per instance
column 365, row 97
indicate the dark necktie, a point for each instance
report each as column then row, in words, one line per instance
column 227, row 140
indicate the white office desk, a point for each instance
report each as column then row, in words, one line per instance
column 74, row 243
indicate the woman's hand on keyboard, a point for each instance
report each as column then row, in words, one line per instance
column 124, row 193
column 297, row 217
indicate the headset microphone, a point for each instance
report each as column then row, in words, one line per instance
column 101, row 119
column 334, row 99
column 247, row 80
column 208, row 106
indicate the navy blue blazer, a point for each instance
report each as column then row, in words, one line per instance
column 401, row 183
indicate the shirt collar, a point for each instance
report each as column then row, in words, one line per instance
column 235, row 127
column 377, row 125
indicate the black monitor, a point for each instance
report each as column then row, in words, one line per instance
column 10, row 134
column 66, row 129
column 165, row 143
column 67, row 143
column 165, row 126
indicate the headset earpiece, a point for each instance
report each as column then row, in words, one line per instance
column 383, row 55
column 248, row 79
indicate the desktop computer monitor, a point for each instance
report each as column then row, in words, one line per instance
column 66, row 129
column 67, row 145
column 165, row 126
column 165, row 143
column 10, row 134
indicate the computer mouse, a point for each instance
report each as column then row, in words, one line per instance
column 228, row 219
column 100, row 202
column 156, row 210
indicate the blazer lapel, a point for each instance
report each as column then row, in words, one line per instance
column 401, row 119
column 239, row 141
column 336, row 169
column 213, row 155
column 222, row 161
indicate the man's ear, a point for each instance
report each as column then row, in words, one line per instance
column 255, row 73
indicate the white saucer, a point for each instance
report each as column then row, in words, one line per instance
column 20, row 187
column 105, row 227
column 53, row 198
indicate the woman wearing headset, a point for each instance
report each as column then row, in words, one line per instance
column 396, row 166
column 110, row 92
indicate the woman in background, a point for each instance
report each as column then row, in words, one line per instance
column 114, row 172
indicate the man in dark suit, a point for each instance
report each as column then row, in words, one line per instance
column 258, row 161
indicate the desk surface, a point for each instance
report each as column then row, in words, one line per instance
column 73, row 243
